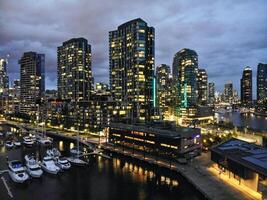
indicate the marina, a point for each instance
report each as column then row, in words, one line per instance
column 99, row 172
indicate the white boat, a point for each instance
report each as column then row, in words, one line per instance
column 77, row 161
column 44, row 141
column 76, row 151
column 9, row 144
column 17, row 172
column 28, row 141
column 62, row 163
column 1, row 134
column 17, row 143
column 48, row 165
column 9, row 133
column 53, row 152
column 32, row 167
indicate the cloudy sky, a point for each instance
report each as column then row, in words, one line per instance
column 227, row 35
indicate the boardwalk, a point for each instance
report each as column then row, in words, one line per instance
column 196, row 174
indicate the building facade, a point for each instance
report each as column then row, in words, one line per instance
column 75, row 80
column 32, row 82
column 4, row 85
column 228, row 92
column 261, row 82
column 131, row 68
column 202, row 87
column 211, row 93
column 185, row 70
column 164, row 87
column 246, row 87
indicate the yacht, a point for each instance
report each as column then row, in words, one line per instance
column 77, row 161
column 76, row 151
column 62, row 163
column 53, row 152
column 17, row 172
column 28, row 141
column 9, row 133
column 9, row 144
column 17, row 143
column 32, row 167
column 44, row 141
column 48, row 165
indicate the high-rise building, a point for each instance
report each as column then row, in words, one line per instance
column 262, row 82
column 163, row 73
column 246, row 86
column 14, row 97
column 202, row 87
column 228, row 92
column 211, row 93
column 131, row 67
column 185, row 68
column 75, row 80
column 3, row 77
column 3, row 85
column 32, row 81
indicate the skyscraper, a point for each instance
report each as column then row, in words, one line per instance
column 202, row 87
column 211, row 93
column 262, row 82
column 228, row 92
column 75, row 80
column 3, row 76
column 131, row 67
column 246, row 86
column 32, row 81
column 3, row 84
column 185, row 68
column 163, row 87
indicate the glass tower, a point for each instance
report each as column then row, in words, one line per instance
column 202, row 87
column 75, row 80
column 131, row 67
column 246, row 86
column 262, row 82
column 32, row 81
column 185, row 70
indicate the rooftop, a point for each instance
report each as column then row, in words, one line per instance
column 247, row 154
column 159, row 129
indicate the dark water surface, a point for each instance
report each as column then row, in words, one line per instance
column 116, row 179
column 244, row 120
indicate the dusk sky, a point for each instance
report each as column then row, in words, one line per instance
column 227, row 35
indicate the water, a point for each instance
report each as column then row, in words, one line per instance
column 117, row 178
column 244, row 120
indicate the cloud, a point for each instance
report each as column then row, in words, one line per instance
column 227, row 35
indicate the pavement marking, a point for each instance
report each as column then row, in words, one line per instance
column 7, row 188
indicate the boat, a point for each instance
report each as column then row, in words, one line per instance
column 28, row 141
column 53, row 152
column 9, row 133
column 1, row 134
column 62, row 163
column 44, row 141
column 17, row 143
column 77, row 161
column 17, row 172
column 76, row 151
column 49, row 166
column 9, row 144
column 32, row 167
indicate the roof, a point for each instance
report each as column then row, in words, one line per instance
column 253, row 157
column 174, row 132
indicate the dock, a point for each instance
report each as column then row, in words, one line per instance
column 195, row 173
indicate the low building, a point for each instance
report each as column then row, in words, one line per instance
column 160, row 139
column 244, row 163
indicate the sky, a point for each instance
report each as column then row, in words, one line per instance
column 227, row 35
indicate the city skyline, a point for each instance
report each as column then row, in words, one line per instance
column 211, row 42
